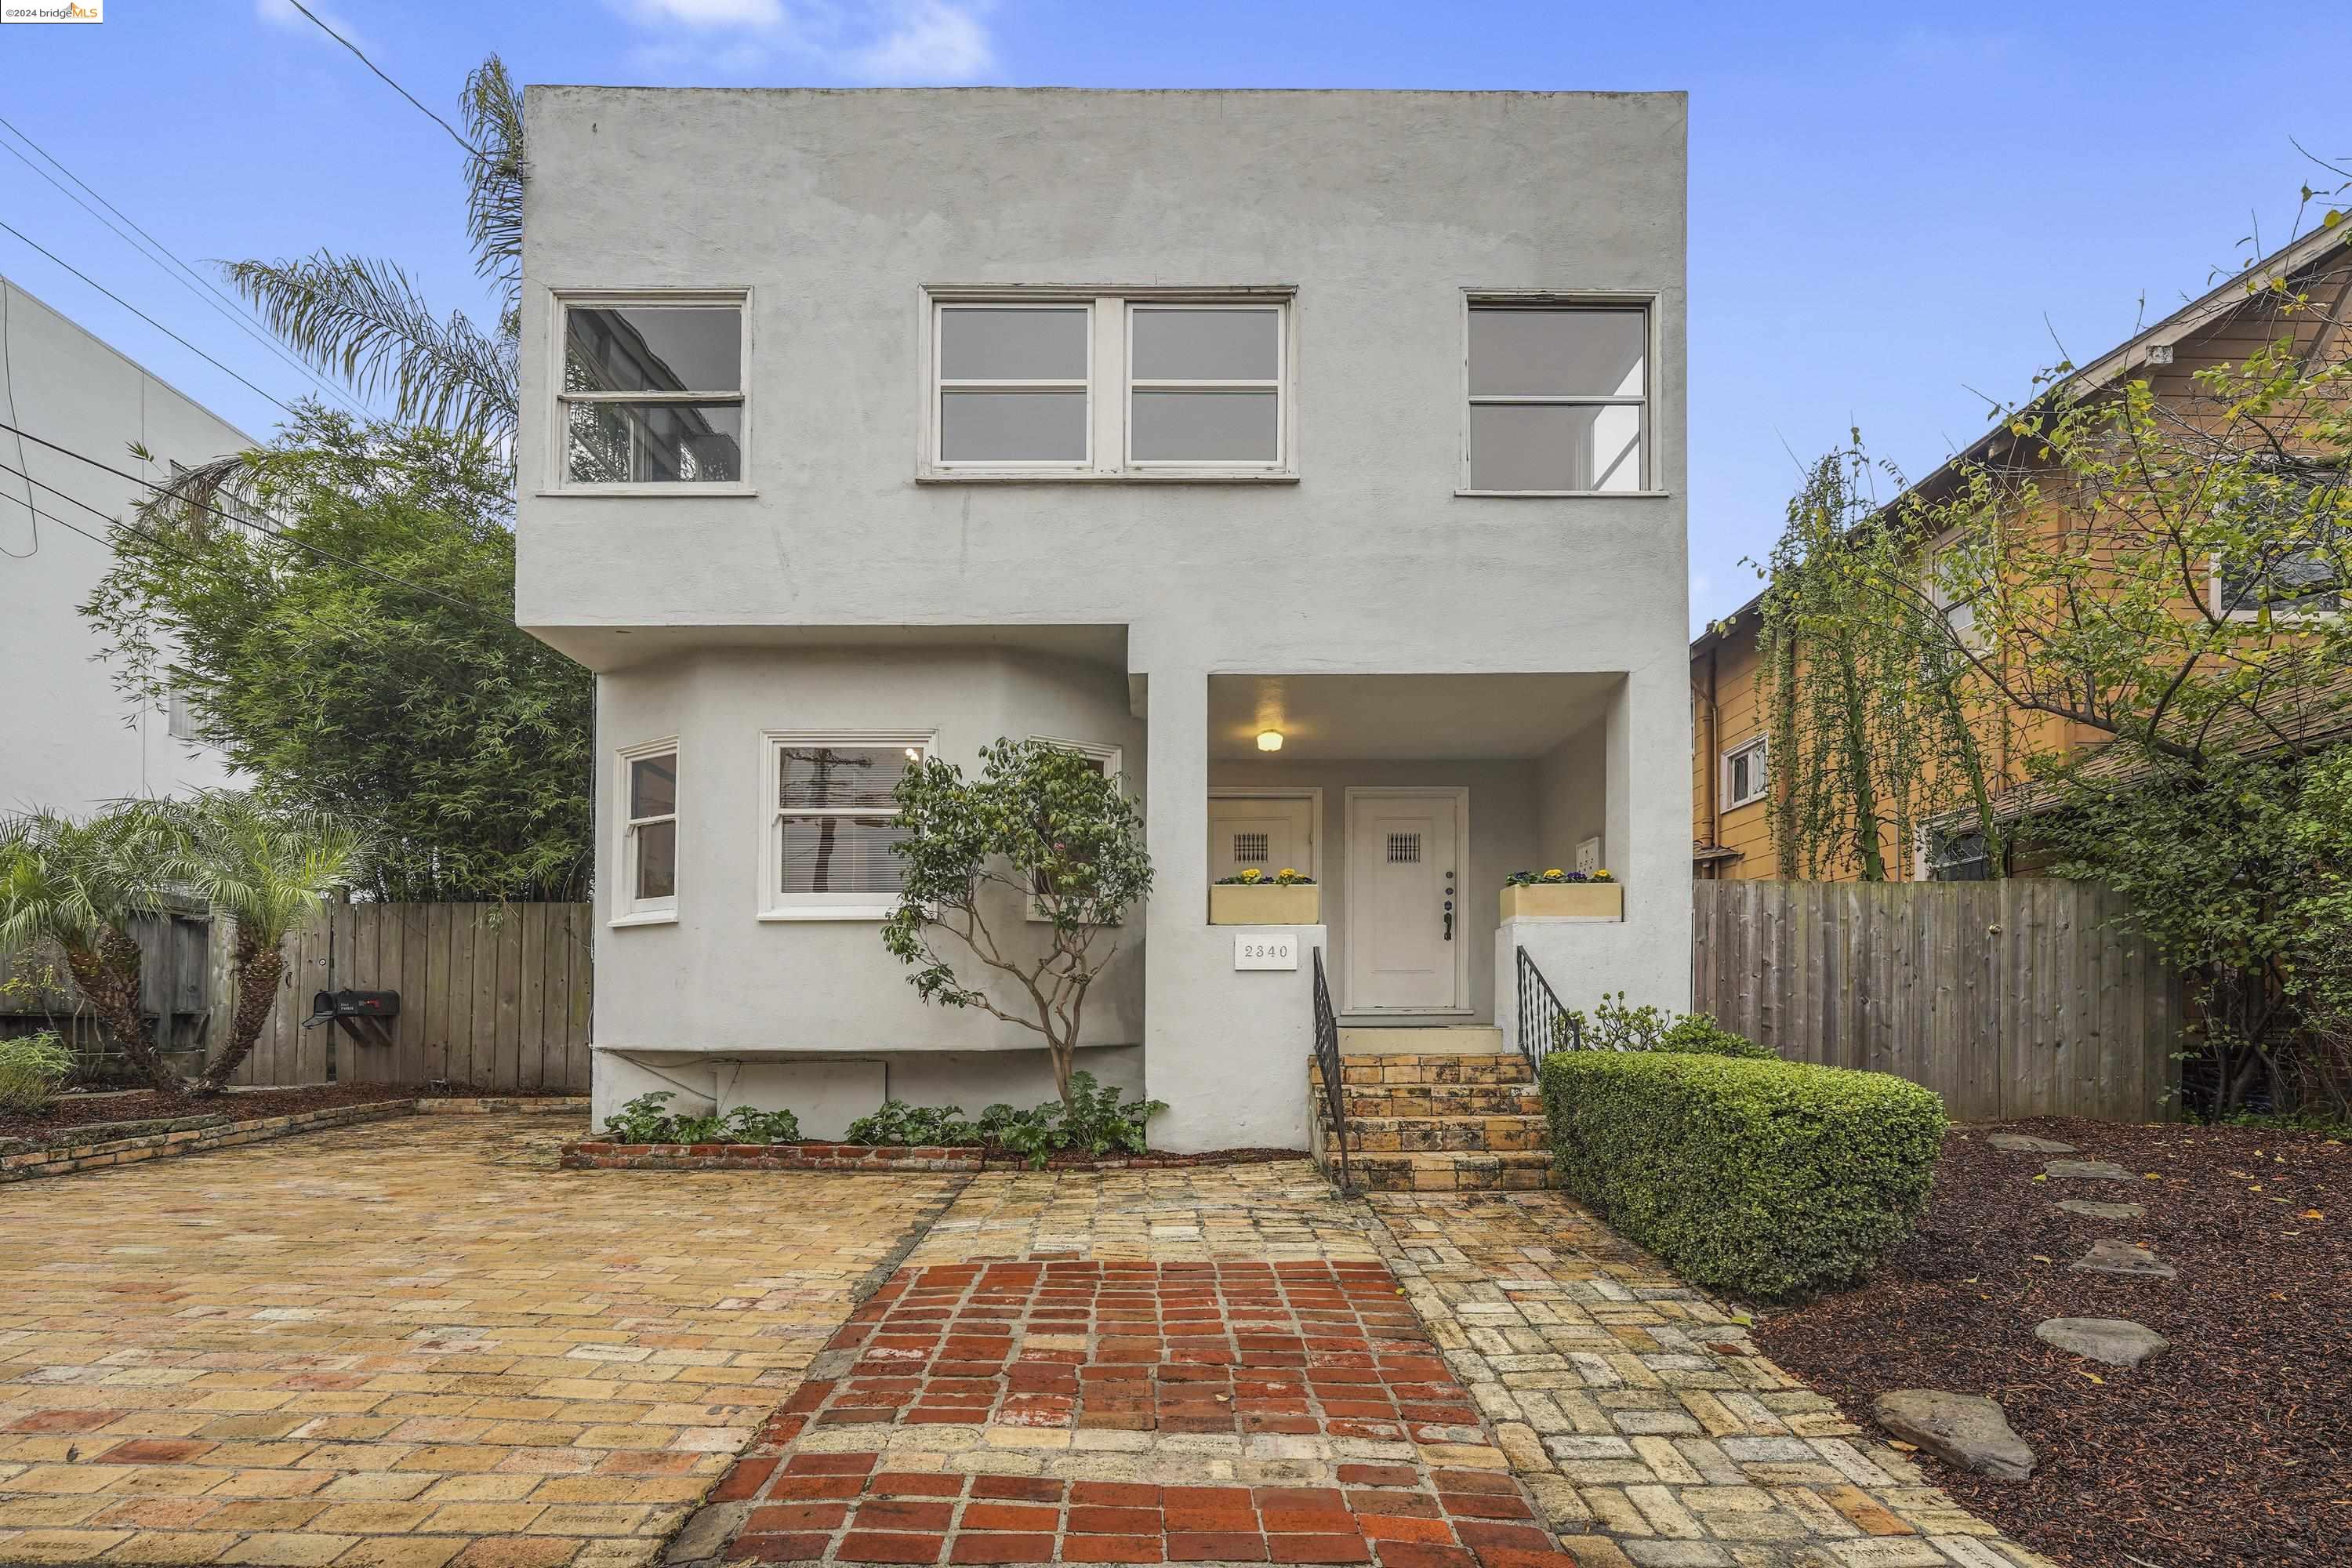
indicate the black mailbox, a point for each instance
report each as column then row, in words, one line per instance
column 350, row 1008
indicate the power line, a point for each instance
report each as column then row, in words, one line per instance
column 260, row 528
column 395, row 87
column 225, row 307
column 135, row 310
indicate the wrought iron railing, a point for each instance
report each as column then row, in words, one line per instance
column 1544, row 1024
column 1327, row 1056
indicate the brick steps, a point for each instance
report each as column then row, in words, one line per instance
column 1449, row 1121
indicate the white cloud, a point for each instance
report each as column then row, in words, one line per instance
column 282, row 14
column 878, row 41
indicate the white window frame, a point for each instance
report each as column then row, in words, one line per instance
column 628, row 909
column 562, row 301
column 1109, row 391
column 1109, row 756
column 940, row 386
column 1761, row 747
column 775, row 904
column 1649, row 402
column 1279, row 386
column 2217, row 585
column 1972, row 637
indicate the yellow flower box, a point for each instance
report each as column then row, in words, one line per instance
column 1565, row 900
column 1264, row 904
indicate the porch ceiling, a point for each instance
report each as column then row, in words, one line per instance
column 1373, row 717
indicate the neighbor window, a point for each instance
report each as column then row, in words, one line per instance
column 1558, row 397
column 2304, row 518
column 652, row 392
column 1957, row 610
column 1104, row 386
column 836, row 821
column 648, row 880
column 1743, row 774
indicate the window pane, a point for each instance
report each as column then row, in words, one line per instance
column 1206, row 343
column 656, row 860
column 653, row 785
column 1557, row 352
column 840, row 777
column 2306, row 580
column 654, row 443
column 652, row 348
column 1012, row 426
column 842, row 854
column 1207, row 426
column 984, row 342
column 1540, row 446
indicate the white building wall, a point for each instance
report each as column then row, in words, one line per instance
column 68, row 738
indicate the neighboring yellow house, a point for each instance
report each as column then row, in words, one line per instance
column 1731, row 768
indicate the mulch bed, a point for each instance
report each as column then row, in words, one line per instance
column 245, row 1105
column 2234, row 1447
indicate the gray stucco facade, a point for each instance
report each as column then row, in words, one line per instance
column 1525, row 651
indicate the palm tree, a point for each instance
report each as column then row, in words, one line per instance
column 269, row 868
column 79, row 885
column 363, row 320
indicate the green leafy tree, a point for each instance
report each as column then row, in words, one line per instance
column 357, row 654
column 268, row 869
column 77, row 886
column 1040, row 829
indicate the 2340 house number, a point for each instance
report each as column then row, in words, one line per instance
column 1266, row 951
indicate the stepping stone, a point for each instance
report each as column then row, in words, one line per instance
column 1967, row 1429
column 2102, row 1211
column 2086, row 1171
column 2019, row 1144
column 2118, row 1341
column 2122, row 1258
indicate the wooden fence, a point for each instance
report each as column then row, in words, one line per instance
column 491, row 995
column 2019, row 997
column 184, row 983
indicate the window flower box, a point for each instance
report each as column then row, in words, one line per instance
column 1253, row 899
column 1563, row 896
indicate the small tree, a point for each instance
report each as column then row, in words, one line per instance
column 268, row 869
column 77, row 885
column 1041, row 829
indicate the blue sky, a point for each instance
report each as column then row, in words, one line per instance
column 1890, row 204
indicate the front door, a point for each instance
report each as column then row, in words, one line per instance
column 1260, row 835
column 1403, row 933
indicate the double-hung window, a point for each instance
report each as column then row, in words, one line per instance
column 1093, row 385
column 834, row 822
column 648, row 879
column 652, row 392
column 1558, row 396
column 2296, row 558
column 1744, row 773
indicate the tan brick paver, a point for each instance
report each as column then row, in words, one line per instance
column 409, row 1344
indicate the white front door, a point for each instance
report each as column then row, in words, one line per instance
column 1403, row 933
column 1260, row 835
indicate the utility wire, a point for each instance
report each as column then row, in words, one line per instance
column 220, row 303
column 135, row 310
column 260, row 528
column 395, row 87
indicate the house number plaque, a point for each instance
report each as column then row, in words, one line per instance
column 1278, row 950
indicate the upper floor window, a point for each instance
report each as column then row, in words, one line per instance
column 1559, row 398
column 1744, row 773
column 1109, row 385
column 2300, row 519
column 652, row 391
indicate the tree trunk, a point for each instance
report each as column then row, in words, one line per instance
column 1063, row 1052
column 109, row 980
column 258, row 970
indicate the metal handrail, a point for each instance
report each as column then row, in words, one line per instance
column 1327, row 1056
column 1545, row 1026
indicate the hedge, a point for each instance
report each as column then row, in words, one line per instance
column 1761, row 1179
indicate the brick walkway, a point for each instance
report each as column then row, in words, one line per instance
column 406, row 1344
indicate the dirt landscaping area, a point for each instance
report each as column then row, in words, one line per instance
column 71, row 1110
column 2233, row 1446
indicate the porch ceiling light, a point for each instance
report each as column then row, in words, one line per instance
column 1269, row 740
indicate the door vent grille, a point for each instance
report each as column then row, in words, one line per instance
column 1250, row 848
column 1404, row 848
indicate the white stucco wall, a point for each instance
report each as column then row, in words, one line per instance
column 1381, row 211
column 68, row 738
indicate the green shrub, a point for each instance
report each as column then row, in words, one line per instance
column 646, row 1119
column 1763, row 1179
column 33, row 1068
column 1614, row 1026
column 1094, row 1120
column 898, row 1125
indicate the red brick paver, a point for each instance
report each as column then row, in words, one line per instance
column 1084, row 1411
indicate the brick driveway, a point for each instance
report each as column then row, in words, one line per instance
column 406, row 1344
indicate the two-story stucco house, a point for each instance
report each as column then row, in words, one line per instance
column 1314, row 460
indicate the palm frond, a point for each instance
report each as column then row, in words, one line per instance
column 493, row 114
column 268, row 867
column 363, row 320
column 72, row 881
